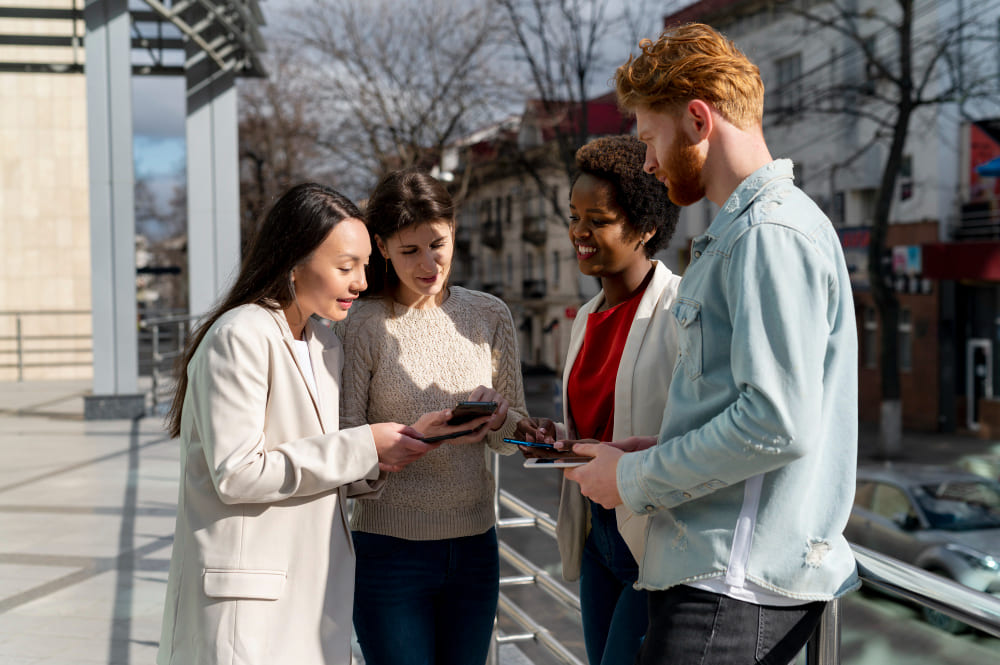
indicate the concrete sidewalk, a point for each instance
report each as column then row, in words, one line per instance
column 86, row 524
column 87, row 512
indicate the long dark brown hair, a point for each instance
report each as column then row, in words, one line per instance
column 403, row 198
column 291, row 231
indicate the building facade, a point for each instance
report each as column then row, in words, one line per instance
column 44, row 203
column 822, row 110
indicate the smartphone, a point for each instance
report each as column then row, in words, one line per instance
column 535, row 444
column 466, row 411
column 555, row 462
column 463, row 413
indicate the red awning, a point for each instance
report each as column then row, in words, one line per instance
column 962, row 260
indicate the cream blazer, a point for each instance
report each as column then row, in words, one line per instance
column 262, row 570
column 641, row 387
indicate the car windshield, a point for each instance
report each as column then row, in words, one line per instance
column 960, row 505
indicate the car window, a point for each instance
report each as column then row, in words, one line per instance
column 863, row 494
column 961, row 505
column 890, row 502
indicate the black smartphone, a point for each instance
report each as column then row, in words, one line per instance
column 466, row 411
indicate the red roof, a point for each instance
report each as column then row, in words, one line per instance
column 698, row 11
column 603, row 116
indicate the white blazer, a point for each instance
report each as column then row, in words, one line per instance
column 641, row 387
column 262, row 569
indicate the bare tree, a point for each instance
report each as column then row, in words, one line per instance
column 568, row 50
column 910, row 71
column 398, row 80
column 279, row 132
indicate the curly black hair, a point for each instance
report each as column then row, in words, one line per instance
column 619, row 161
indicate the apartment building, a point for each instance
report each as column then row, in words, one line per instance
column 512, row 237
column 822, row 110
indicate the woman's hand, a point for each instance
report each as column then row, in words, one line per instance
column 435, row 423
column 398, row 445
column 535, row 429
column 484, row 394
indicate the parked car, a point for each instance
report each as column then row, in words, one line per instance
column 942, row 520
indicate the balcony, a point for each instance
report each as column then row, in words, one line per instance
column 463, row 237
column 533, row 289
column 493, row 288
column 534, row 229
column 491, row 234
column 978, row 221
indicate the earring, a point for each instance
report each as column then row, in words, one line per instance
column 386, row 264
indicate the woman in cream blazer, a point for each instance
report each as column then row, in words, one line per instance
column 640, row 397
column 262, row 569
column 616, row 377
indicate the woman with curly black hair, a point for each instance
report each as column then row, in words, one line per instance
column 621, row 355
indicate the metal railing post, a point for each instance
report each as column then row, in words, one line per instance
column 823, row 647
column 494, row 656
column 19, row 346
column 154, row 370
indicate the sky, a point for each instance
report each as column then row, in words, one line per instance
column 158, row 111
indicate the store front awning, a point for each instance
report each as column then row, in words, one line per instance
column 962, row 261
column 990, row 169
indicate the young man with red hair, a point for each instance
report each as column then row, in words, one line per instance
column 749, row 485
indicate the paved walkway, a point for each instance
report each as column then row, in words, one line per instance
column 86, row 524
column 87, row 515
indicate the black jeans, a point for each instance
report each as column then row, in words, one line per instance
column 688, row 626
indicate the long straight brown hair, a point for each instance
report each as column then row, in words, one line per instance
column 291, row 231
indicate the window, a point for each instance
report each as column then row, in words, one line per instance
column 871, row 338
column 891, row 503
column 555, row 269
column 529, row 266
column 838, row 209
column 510, row 270
column 871, row 73
column 789, row 83
column 905, row 340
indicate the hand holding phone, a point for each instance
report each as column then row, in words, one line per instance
column 540, row 449
column 463, row 413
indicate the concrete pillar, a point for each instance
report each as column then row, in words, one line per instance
column 213, row 187
column 112, row 214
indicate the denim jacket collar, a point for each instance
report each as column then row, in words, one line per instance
column 742, row 196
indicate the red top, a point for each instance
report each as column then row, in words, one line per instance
column 591, row 387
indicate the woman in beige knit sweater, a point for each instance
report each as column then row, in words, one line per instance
column 428, row 568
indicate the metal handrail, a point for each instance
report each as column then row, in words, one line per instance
column 162, row 360
column 23, row 350
column 977, row 609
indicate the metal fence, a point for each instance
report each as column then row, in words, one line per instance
column 164, row 340
column 44, row 339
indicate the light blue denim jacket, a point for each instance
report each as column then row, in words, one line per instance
column 753, row 475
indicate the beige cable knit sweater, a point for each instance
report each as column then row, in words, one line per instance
column 401, row 363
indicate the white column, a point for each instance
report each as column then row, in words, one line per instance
column 112, row 214
column 212, row 182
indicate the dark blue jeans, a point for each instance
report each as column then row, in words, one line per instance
column 688, row 626
column 614, row 614
column 425, row 602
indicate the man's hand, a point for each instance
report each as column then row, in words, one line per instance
column 598, row 478
column 633, row 443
